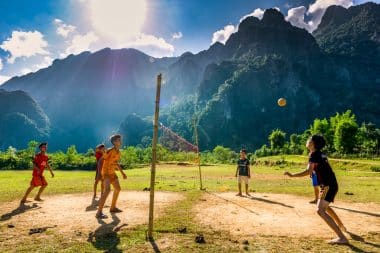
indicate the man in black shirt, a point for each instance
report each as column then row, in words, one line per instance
column 243, row 171
column 328, row 184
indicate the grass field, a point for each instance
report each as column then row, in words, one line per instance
column 357, row 180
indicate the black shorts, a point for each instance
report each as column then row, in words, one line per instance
column 328, row 192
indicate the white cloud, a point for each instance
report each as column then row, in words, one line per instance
column 63, row 29
column 25, row 71
column 223, row 34
column 296, row 16
column 258, row 13
column 46, row 62
column 1, row 64
column 3, row 79
column 80, row 43
column 176, row 36
column 24, row 44
column 149, row 44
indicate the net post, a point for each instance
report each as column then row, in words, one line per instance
column 198, row 153
column 154, row 157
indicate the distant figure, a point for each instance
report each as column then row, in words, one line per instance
column 319, row 164
column 243, row 172
column 99, row 152
column 40, row 162
column 314, row 182
column 109, row 167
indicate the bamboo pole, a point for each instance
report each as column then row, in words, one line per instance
column 154, row 158
column 198, row 152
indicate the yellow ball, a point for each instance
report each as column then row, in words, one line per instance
column 281, row 102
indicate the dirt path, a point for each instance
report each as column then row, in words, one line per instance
column 74, row 215
column 281, row 215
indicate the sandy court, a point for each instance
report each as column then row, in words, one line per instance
column 281, row 215
column 74, row 214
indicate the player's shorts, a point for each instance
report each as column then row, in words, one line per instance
column 243, row 179
column 328, row 193
column 38, row 181
column 110, row 177
column 314, row 179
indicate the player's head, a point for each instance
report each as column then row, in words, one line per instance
column 116, row 140
column 43, row 146
column 100, row 148
column 316, row 142
column 243, row 153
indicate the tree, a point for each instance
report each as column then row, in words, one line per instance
column 223, row 155
column 277, row 139
column 345, row 136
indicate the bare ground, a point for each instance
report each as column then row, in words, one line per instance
column 281, row 215
column 73, row 215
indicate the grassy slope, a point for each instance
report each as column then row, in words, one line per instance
column 355, row 177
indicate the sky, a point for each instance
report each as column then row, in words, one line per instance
column 34, row 33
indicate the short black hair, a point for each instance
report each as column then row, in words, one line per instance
column 243, row 150
column 101, row 146
column 115, row 137
column 318, row 141
column 42, row 144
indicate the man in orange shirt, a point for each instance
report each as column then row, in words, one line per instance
column 109, row 167
column 40, row 162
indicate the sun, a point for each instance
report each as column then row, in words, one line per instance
column 118, row 19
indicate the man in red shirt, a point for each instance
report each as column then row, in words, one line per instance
column 40, row 162
column 99, row 152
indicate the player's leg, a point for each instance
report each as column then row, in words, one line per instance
column 28, row 191
column 316, row 193
column 42, row 188
column 335, row 217
column 247, row 186
column 239, row 186
column 106, row 192
column 95, row 187
column 322, row 206
column 116, row 190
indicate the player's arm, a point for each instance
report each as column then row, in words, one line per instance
column 237, row 170
column 249, row 170
column 50, row 169
column 121, row 171
column 308, row 171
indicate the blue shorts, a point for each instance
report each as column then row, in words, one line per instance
column 314, row 179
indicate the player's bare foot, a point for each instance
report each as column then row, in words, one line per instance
column 239, row 194
column 115, row 210
column 249, row 195
column 313, row 201
column 338, row 241
column 38, row 199
column 23, row 201
column 101, row 216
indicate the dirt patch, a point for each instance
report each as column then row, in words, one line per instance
column 74, row 214
column 281, row 215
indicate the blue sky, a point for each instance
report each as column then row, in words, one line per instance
column 34, row 33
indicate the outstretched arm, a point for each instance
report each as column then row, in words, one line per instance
column 308, row 171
